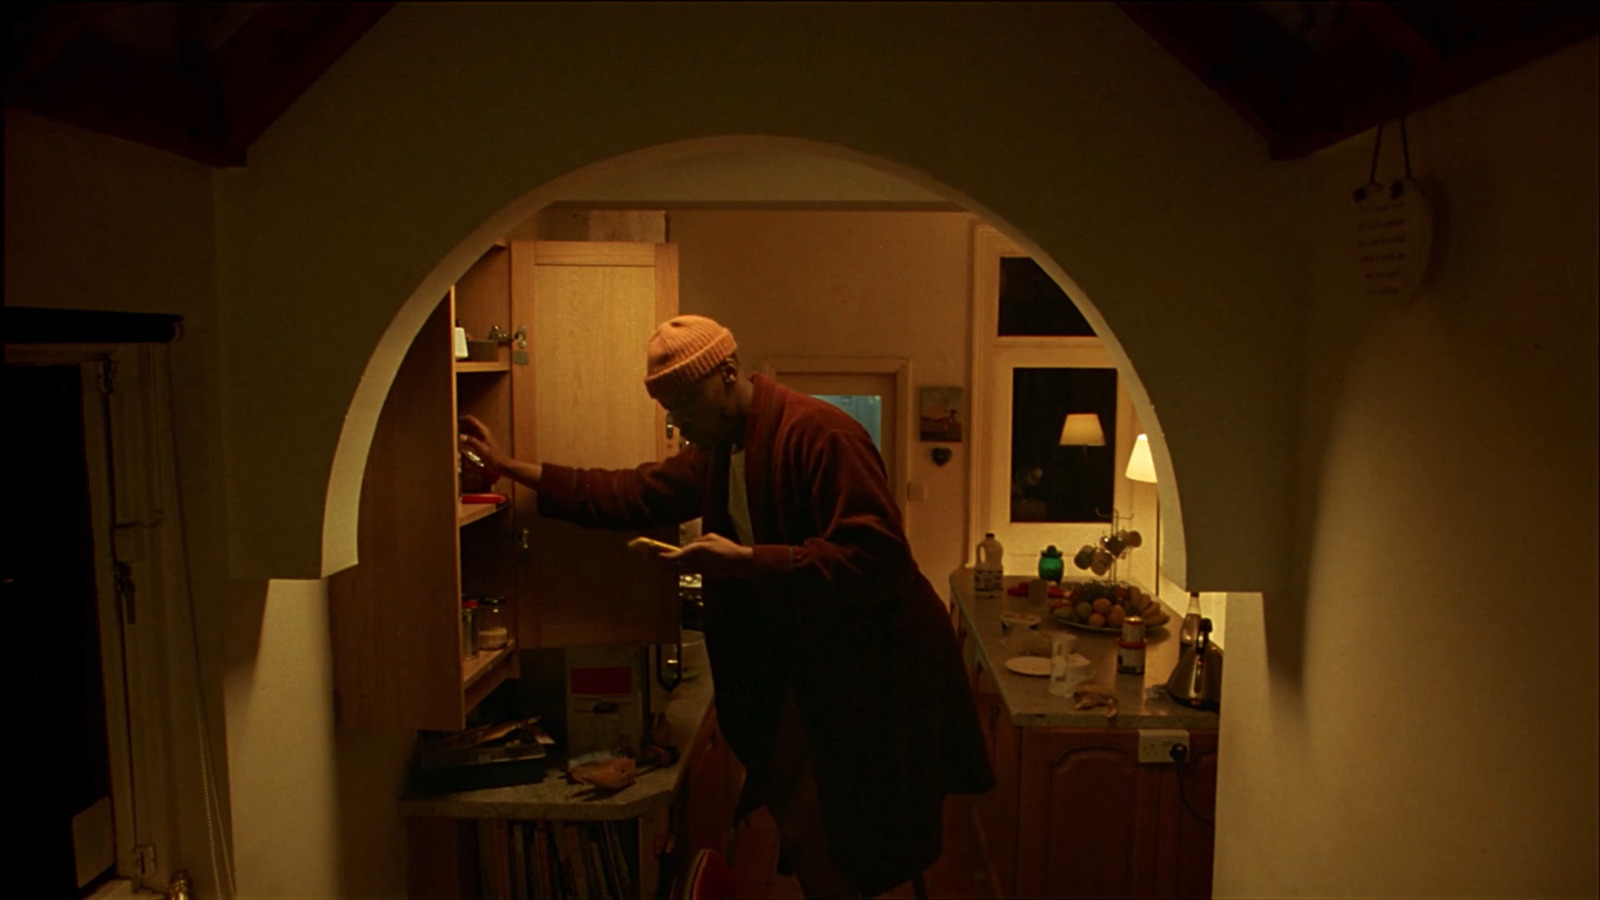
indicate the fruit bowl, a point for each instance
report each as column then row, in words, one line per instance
column 1101, row 607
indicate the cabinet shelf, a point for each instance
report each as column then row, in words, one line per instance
column 467, row 513
column 485, row 671
column 467, row 368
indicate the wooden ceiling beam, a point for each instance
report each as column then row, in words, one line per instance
column 1235, row 48
column 39, row 39
column 1398, row 31
column 1384, row 90
column 280, row 52
column 110, row 90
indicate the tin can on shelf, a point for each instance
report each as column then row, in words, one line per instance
column 1130, row 647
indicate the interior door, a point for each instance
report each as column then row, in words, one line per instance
column 871, row 398
column 590, row 307
column 58, row 570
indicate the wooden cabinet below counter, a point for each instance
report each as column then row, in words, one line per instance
column 1074, row 812
column 1095, row 822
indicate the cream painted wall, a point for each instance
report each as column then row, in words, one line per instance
column 281, row 732
column 386, row 178
column 1420, row 719
column 863, row 284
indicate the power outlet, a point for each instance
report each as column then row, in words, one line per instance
column 1155, row 744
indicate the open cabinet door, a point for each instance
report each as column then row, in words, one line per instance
column 589, row 308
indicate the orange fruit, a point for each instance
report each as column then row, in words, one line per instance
column 1097, row 621
column 1102, row 606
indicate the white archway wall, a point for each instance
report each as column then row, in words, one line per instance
column 421, row 133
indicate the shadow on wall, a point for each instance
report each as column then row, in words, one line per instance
column 1340, row 330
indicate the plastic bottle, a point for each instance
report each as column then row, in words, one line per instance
column 988, row 575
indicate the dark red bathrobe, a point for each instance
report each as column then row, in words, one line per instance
column 838, row 611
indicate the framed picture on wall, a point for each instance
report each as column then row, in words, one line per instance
column 940, row 414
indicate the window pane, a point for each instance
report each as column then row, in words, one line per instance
column 1051, row 482
column 1032, row 304
column 864, row 408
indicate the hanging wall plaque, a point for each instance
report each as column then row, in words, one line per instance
column 1392, row 234
column 1393, row 238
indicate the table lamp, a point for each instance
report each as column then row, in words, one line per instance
column 1142, row 467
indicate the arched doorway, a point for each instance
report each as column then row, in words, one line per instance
column 732, row 173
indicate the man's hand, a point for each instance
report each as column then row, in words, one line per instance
column 714, row 555
column 479, row 440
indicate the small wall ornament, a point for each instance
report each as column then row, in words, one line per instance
column 1392, row 235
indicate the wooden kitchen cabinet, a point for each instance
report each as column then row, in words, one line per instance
column 995, row 812
column 1073, row 812
column 1095, row 822
column 570, row 390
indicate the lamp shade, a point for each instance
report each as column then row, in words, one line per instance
column 1082, row 430
column 1141, row 466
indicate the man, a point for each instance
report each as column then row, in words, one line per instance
column 839, row 682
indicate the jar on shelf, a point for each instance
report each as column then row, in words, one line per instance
column 469, row 627
column 493, row 630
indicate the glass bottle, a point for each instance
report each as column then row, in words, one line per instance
column 1189, row 633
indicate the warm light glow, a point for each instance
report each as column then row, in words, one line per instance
column 1141, row 466
column 1082, row 430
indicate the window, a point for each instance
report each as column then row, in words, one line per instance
column 1036, row 362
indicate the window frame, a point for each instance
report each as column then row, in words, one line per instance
column 993, row 360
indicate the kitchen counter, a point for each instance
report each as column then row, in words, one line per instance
column 1028, row 699
column 555, row 799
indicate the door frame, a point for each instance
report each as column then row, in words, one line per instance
column 900, row 368
column 151, row 665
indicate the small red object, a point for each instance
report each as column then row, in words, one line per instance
column 483, row 498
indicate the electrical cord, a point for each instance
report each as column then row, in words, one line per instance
column 1180, row 753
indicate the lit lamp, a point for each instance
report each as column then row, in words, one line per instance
column 1082, row 430
column 1142, row 467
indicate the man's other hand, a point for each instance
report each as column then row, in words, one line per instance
column 714, row 555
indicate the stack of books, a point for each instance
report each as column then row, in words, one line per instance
column 543, row 860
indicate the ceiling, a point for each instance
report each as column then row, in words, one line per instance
column 204, row 80
column 1306, row 75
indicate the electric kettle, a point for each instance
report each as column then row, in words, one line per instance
column 1197, row 678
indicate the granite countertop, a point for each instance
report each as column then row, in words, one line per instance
column 1028, row 699
column 554, row 798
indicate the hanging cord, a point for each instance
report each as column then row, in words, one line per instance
column 1398, row 188
column 1360, row 193
column 1405, row 147
column 1180, row 755
column 1377, row 147
column 217, row 838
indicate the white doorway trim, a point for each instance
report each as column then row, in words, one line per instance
column 900, row 368
column 162, row 754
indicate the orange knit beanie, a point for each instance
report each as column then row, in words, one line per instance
column 683, row 350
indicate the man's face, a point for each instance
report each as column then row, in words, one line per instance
column 705, row 410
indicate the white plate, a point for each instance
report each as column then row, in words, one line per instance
column 1029, row 665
